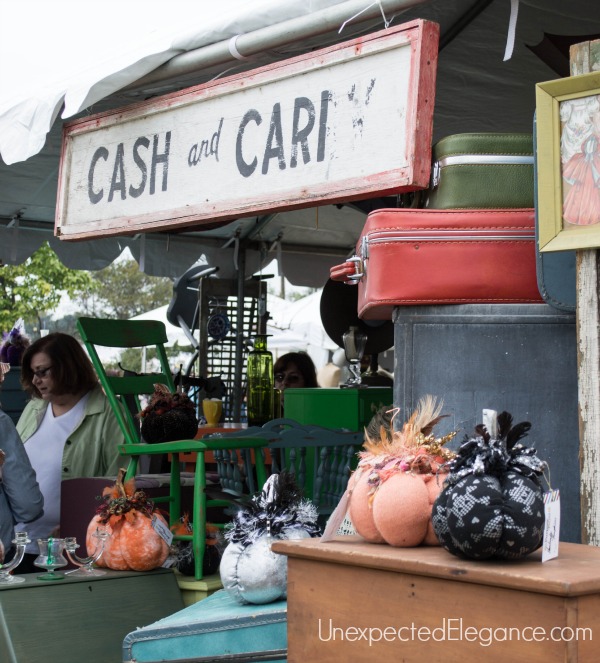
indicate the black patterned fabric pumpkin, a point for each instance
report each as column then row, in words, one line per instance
column 168, row 417
column 492, row 503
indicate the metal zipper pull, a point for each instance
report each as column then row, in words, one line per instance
column 435, row 175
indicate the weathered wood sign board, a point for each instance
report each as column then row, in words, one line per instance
column 338, row 124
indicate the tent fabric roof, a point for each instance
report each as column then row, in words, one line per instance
column 79, row 62
column 112, row 63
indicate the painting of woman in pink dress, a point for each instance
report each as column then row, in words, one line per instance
column 580, row 155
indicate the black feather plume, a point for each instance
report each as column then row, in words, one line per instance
column 516, row 433
column 482, row 432
column 504, row 420
column 483, row 455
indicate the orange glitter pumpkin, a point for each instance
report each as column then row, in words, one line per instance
column 134, row 544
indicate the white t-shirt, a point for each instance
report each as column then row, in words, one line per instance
column 45, row 451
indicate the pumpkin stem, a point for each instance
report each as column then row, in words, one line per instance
column 119, row 483
column 122, row 498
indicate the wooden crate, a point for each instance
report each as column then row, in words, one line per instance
column 437, row 607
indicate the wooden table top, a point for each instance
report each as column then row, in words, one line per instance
column 227, row 427
column 31, row 579
column 576, row 571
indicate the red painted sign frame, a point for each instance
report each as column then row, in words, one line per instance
column 84, row 210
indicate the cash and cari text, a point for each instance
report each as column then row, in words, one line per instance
column 142, row 165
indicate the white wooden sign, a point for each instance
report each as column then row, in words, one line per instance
column 338, row 124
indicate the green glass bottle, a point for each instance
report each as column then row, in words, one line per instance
column 260, row 383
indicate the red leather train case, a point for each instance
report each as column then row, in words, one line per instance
column 407, row 257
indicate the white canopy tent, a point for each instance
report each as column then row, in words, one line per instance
column 298, row 327
column 174, row 334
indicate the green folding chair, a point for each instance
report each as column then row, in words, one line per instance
column 152, row 335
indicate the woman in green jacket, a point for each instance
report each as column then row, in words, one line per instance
column 68, row 428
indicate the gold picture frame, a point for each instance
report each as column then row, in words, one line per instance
column 568, row 163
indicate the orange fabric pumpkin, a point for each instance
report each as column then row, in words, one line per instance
column 400, row 510
column 133, row 544
column 398, row 479
column 360, row 509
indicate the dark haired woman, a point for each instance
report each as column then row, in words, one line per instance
column 68, row 426
column 296, row 370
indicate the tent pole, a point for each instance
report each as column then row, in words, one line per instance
column 272, row 37
column 238, row 387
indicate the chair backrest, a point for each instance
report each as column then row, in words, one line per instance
column 321, row 459
column 127, row 334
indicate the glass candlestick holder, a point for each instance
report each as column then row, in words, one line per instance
column 86, row 565
column 21, row 540
column 51, row 558
column 355, row 342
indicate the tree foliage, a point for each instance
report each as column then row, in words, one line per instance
column 122, row 291
column 34, row 289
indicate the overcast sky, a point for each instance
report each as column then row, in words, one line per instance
column 39, row 37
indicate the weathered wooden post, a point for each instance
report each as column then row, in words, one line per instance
column 588, row 352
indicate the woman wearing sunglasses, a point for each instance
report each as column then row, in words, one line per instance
column 68, row 427
column 295, row 370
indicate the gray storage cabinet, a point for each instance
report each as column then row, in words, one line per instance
column 516, row 357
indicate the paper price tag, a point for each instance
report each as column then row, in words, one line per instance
column 551, row 525
column 169, row 563
column 162, row 530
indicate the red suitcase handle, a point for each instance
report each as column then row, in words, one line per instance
column 350, row 272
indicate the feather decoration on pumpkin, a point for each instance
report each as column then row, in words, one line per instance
column 484, row 454
column 427, row 415
column 504, row 424
column 120, row 488
column 412, row 449
column 516, row 433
